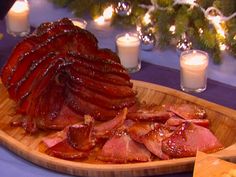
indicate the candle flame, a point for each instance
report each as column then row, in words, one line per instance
column 100, row 20
column 127, row 36
column 20, row 6
column 108, row 13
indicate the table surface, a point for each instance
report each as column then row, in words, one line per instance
column 151, row 71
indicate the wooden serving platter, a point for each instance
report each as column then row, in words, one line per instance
column 223, row 124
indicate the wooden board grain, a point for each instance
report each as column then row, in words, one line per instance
column 223, row 124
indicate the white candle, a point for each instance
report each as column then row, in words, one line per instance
column 128, row 47
column 79, row 22
column 193, row 70
column 17, row 18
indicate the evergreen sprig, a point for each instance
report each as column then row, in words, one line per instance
column 185, row 18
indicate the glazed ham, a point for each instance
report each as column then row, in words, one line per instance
column 60, row 65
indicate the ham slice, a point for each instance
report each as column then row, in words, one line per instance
column 139, row 129
column 150, row 113
column 188, row 139
column 122, row 149
column 153, row 142
column 80, row 136
column 187, row 111
column 64, row 151
column 56, row 138
column 105, row 128
column 176, row 121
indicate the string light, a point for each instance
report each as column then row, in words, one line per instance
column 217, row 19
column 200, row 30
column 172, row 29
column 222, row 46
column 108, row 13
column 147, row 19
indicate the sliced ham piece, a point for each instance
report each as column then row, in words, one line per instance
column 176, row 121
column 105, row 128
column 188, row 139
column 65, row 118
column 56, row 138
column 122, row 149
column 187, row 111
column 64, row 151
column 150, row 113
column 139, row 129
column 80, row 136
column 153, row 141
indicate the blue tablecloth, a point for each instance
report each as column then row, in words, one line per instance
column 12, row 165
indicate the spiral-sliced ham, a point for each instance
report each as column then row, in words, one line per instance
column 61, row 65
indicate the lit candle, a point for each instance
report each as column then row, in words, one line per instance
column 193, row 70
column 17, row 19
column 105, row 19
column 79, row 22
column 100, row 20
column 128, row 47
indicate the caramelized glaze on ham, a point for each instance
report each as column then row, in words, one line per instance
column 187, row 111
column 63, row 150
column 121, row 140
column 188, row 139
column 61, row 63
